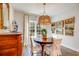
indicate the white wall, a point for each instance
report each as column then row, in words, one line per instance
column 19, row 17
column 71, row 42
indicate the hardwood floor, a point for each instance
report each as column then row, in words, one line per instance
column 65, row 52
column 68, row 52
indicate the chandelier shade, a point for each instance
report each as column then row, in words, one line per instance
column 44, row 19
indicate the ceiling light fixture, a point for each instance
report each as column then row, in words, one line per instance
column 44, row 19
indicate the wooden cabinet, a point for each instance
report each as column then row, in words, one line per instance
column 10, row 44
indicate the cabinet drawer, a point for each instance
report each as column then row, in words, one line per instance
column 8, row 37
column 9, row 52
column 8, row 44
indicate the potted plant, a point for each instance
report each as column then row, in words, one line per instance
column 44, row 34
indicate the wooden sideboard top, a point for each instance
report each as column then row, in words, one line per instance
column 10, row 33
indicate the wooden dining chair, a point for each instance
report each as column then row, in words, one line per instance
column 34, row 49
column 55, row 49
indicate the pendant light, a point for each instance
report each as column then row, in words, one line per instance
column 44, row 19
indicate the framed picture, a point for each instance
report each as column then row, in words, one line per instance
column 59, row 27
column 69, row 26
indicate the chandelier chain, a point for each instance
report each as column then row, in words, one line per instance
column 44, row 5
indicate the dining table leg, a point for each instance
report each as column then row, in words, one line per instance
column 42, row 52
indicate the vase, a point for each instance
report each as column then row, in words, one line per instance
column 44, row 38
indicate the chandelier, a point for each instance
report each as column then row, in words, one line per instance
column 44, row 19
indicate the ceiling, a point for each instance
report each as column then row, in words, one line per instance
column 37, row 8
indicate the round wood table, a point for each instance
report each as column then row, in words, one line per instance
column 42, row 45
